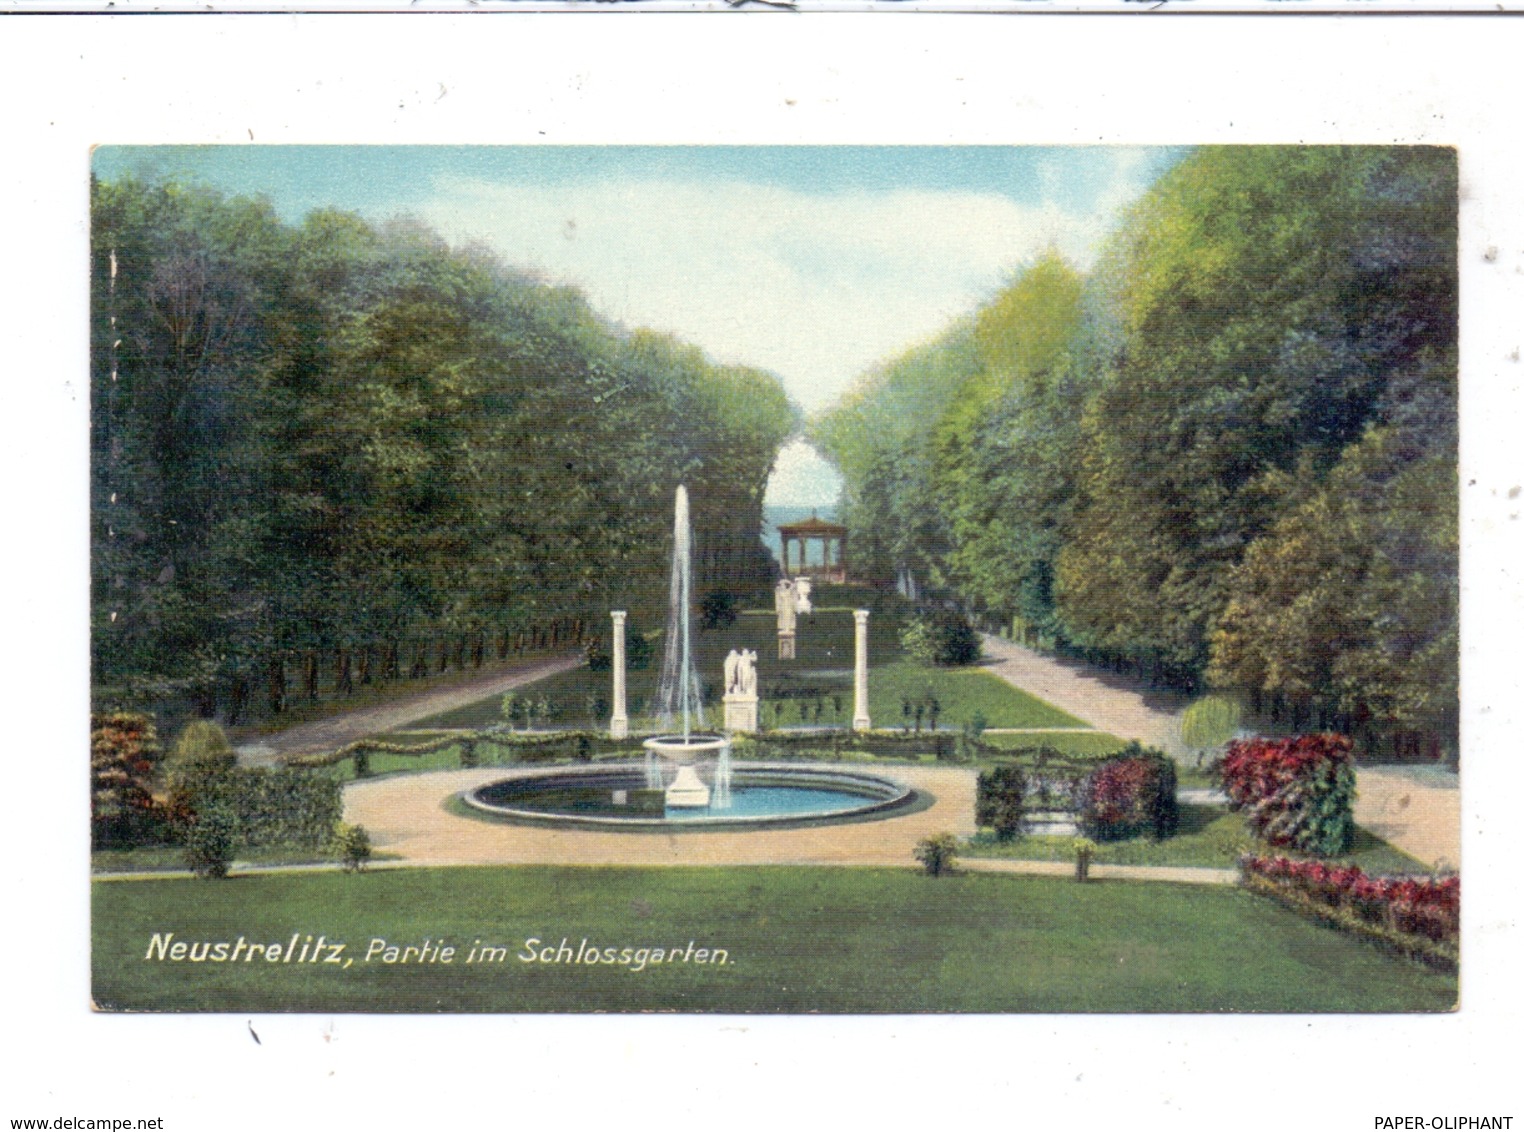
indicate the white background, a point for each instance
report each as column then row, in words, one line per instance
column 69, row 82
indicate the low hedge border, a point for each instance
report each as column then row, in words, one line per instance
column 580, row 746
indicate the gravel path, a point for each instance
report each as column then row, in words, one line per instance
column 1415, row 808
column 1172, row 874
column 1107, row 702
column 330, row 734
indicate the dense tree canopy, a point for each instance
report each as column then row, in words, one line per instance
column 335, row 437
column 1226, row 454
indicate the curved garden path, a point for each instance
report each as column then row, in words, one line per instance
column 330, row 734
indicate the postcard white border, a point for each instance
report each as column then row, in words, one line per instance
column 69, row 82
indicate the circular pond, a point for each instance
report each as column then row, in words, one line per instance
column 618, row 798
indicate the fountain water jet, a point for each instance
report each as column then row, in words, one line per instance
column 679, row 696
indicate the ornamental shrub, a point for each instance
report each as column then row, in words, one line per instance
column 937, row 854
column 999, row 802
column 353, row 845
column 941, row 637
column 201, row 749
column 124, row 755
column 210, row 840
column 1296, row 793
column 719, row 609
column 1209, row 722
column 1130, row 794
column 600, row 653
column 1084, row 853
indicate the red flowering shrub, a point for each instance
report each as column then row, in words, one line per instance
column 1414, row 906
column 1298, row 793
column 1130, row 794
column 124, row 754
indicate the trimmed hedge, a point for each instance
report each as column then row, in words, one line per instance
column 1000, row 799
column 1129, row 794
column 1296, row 793
column 284, row 806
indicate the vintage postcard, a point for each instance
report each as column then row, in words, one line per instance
column 710, row 579
column 1093, row 385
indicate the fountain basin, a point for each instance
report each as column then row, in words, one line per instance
column 616, row 797
column 686, row 749
column 687, row 790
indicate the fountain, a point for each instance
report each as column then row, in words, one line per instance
column 633, row 798
column 679, row 696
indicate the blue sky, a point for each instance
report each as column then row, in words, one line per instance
column 811, row 262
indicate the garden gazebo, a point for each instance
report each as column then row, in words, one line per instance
column 810, row 530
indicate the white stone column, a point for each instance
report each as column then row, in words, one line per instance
column 619, row 726
column 860, row 720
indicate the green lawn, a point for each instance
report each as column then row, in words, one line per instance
column 446, row 758
column 1082, row 744
column 796, row 940
column 1209, row 835
column 961, row 692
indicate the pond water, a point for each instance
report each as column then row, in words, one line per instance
column 619, row 796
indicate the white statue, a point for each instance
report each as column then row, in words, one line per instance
column 741, row 673
column 786, row 600
column 802, row 595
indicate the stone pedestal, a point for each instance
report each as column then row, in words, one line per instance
column 860, row 720
column 785, row 646
column 687, row 789
column 740, row 712
column 619, row 725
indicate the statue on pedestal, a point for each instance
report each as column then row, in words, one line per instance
column 786, row 599
column 741, row 690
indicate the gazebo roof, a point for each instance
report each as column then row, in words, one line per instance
column 813, row 527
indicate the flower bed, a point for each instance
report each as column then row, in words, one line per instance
column 1417, row 916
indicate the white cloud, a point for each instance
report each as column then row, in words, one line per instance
column 815, row 287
